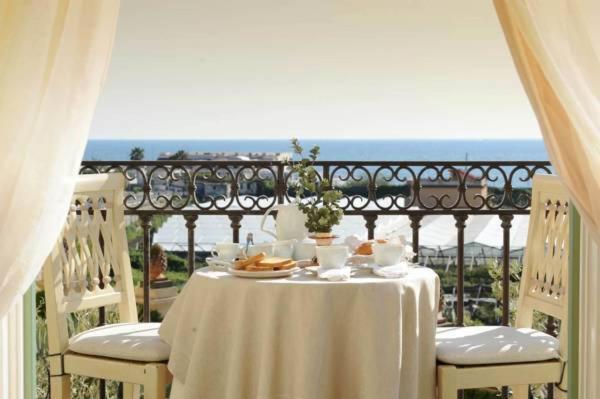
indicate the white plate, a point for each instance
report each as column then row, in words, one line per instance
column 218, row 262
column 265, row 274
column 312, row 269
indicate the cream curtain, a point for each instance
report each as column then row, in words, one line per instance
column 53, row 58
column 556, row 48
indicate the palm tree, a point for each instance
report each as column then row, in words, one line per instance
column 136, row 154
column 179, row 155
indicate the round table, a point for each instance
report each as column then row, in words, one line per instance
column 304, row 338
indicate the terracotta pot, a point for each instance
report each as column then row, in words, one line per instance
column 323, row 239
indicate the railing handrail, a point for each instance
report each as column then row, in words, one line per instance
column 317, row 163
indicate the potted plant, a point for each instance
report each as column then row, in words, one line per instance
column 314, row 196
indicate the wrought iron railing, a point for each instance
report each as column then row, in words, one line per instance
column 371, row 189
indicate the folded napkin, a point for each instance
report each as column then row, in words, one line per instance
column 395, row 271
column 341, row 274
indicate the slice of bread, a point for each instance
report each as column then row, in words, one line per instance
column 273, row 262
column 244, row 263
column 289, row 265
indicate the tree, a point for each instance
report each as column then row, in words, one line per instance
column 179, row 155
column 136, row 154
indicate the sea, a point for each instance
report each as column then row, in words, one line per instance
column 335, row 150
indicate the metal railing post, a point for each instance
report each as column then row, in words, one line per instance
column 190, row 224
column 236, row 224
column 370, row 223
column 146, row 223
column 415, row 225
column 506, row 225
column 460, row 267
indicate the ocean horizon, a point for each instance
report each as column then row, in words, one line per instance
column 334, row 150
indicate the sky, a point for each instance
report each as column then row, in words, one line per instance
column 336, row 69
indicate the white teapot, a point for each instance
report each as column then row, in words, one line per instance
column 289, row 224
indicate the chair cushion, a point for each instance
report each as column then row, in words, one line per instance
column 128, row 341
column 493, row 345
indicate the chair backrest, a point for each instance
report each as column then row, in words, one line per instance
column 545, row 265
column 89, row 264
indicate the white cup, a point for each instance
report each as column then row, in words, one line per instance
column 225, row 251
column 284, row 249
column 387, row 254
column 332, row 256
column 304, row 250
column 267, row 248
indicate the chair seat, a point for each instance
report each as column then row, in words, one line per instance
column 494, row 345
column 128, row 341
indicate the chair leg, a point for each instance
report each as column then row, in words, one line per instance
column 446, row 382
column 520, row 392
column 156, row 381
column 131, row 391
column 60, row 387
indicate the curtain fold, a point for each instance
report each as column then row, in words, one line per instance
column 53, row 59
column 555, row 45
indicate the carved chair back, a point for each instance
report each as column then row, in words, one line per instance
column 545, row 266
column 89, row 265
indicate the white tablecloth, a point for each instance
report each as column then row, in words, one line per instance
column 304, row 338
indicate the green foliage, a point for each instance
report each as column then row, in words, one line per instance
column 179, row 155
column 178, row 278
column 135, row 233
column 136, row 154
column 176, row 263
column 495, row 271
column 137, row 259
column 316, row 199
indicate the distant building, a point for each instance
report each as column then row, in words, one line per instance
column 177, row 183
column 213, row 189
column 447, row 190
column 230, row 156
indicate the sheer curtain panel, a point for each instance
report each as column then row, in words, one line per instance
column 555, row 45
column 53, row 59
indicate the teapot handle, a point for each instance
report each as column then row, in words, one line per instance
column 264, row 219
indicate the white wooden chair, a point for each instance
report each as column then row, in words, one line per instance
column 88, row 268
column 489, row 356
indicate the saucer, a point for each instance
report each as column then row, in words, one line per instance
column 398, row 270
column 218, row 262
column 262, row 274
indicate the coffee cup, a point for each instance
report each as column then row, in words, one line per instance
column 387, row 254
column 284, row 248
column 305, row 250
column 332, row 256
column 225, row 251
column 268, row 248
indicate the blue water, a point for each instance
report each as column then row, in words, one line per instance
column 336, row 150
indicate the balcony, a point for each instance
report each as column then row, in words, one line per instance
column 450, row 202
